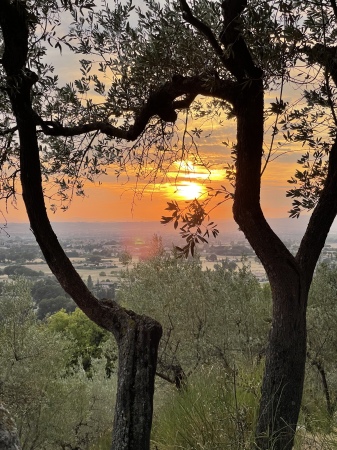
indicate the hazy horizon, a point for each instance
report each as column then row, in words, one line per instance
column 282, row 226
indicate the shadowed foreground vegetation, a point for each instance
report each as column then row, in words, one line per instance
column 56, row 375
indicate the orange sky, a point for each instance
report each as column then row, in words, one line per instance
column 112, row 199
column 115, row 200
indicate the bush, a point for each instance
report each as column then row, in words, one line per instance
column 48, row 306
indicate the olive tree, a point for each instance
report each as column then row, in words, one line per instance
column 208, row 316
column 158, row 60
column 24, row 26
column 321, row 346
column 54, row 405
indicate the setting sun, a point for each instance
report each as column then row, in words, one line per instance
column 189, row 191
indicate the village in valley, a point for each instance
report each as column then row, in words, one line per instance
column 102, row 252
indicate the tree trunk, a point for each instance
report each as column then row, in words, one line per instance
column 290, row 277
column 285, row 359
column 282, row 387
column 137, row 336
column 136, row 375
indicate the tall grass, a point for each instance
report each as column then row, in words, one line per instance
column 215, row 411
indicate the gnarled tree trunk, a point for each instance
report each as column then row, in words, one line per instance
column 285, row 360
column 137, row 351
column 290, row 277
column 282, row 388
column 137, row 336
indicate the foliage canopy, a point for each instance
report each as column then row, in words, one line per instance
column 127, row 55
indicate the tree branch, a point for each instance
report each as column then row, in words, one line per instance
column 203, row 28
column 314, row 238
column 8, row 131
column 236, row 59
column 162, row 103
column 239, row 62
column 334, row 7
column 15, row 32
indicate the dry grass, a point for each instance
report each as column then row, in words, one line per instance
column 309, row 441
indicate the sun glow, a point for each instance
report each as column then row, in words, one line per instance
column 188, row 169
column 189, row 191
column 190, row 180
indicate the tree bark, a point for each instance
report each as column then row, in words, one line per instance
column 290, row 277
column 285, row 359
column 136, row 376
column 282, row 387
column 137, row 336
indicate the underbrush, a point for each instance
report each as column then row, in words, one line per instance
column 216, row 410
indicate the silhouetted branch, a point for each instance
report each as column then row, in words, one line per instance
column 239, row 60
column 162, row 103
column 8, row 131
column 202, row 27
column 334, row 7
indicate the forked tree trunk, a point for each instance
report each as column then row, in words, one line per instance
column 285, row 360
column 290, row 277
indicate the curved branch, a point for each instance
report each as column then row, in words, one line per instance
column 237, row 58
column 110, row 316
column 14, row 27
column 137, row 336
column 163, row 103
column 321, row 219
column 314, row 238
column 9, row 131
column 203, row 28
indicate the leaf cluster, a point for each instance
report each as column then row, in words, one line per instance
column 37, row 385
column 308, row 182
column 193, row 230
column 206, row 314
